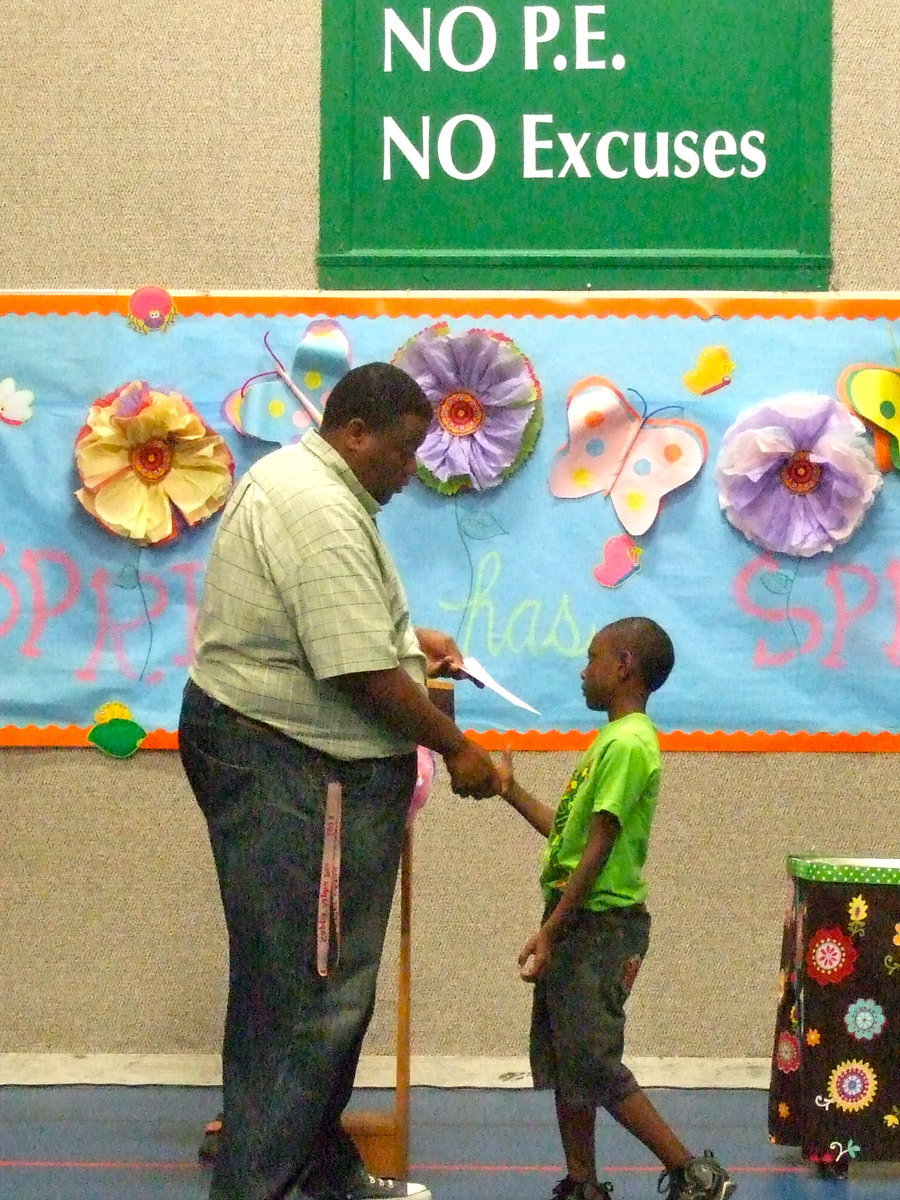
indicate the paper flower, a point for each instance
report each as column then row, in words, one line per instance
column 487, row 406
column 15, row 404
column 116, row 732
column 796, row 475
column 144, row 456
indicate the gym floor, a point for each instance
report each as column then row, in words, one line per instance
column 140, row 1143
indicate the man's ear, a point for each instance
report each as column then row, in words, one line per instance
column 355, row 433
column 626, row 664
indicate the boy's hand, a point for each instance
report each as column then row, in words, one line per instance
column 504, row 765
column 534, row 956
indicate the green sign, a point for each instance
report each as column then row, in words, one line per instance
column 668, row 144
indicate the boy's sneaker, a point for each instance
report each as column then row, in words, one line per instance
column 700, row 1179
column 568, row 1189
column 371, row 1187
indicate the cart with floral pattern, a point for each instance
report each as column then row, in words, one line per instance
column 835, row 1084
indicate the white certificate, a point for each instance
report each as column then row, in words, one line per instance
column 474, row 668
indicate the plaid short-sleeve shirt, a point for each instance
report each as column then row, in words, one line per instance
column 301, row 589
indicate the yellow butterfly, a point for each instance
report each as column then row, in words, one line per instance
column 873, row 393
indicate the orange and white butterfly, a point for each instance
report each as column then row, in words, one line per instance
column 633, row 457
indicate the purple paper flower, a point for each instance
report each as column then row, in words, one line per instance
column 486, row 401
column 796, row 475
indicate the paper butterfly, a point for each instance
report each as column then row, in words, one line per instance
column 279, row 407
column 713, row 371
column 630, row 456
column 621, row 559
column 873, row 393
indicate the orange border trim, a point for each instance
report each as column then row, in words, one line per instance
column 497, row 739
column 830, row 305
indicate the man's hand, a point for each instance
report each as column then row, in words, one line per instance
column 534, row 956
column 472, row 772
column 442, row 655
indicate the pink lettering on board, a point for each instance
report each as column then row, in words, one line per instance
column 892, row 649
column 15, row 603
column 190, row 571
column 113, row 632
column 42, row 612
column 845, row 616
column 763, row 656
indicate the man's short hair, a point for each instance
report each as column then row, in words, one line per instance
column 650, row 645
column 377, row 393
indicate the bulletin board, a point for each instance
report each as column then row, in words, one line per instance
column 613, row 500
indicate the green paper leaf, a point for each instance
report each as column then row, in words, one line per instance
column 118, row 737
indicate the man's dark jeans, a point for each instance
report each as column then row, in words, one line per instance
column 292, row 1038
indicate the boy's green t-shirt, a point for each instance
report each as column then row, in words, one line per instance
column 619, row 773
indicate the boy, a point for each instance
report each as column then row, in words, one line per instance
column 584, row 958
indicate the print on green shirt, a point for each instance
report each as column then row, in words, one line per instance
column 620, row 774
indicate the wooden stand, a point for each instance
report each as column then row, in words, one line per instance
column 383, row 1137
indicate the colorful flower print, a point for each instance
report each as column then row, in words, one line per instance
column 858, row 909
column 831, row 956
column 852, row 1085
column 787, row 1052
column 864, row 1019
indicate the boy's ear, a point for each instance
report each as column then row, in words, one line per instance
column 626, row 664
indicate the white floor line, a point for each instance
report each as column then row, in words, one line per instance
column 204, row 1070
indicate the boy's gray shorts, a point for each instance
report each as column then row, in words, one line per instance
column 578, row 1011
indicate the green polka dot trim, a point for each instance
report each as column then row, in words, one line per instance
column 845, row 870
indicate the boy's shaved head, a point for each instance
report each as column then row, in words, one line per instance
column 650, row 645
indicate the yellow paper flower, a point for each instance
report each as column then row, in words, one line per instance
column 111, row 711
column 145, row 455
column 858, row 909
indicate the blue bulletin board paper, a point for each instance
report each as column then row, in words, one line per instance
column 763, row 642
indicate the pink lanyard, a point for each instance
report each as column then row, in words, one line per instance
column 330, row 881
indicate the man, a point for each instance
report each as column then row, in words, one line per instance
column 298, row 735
